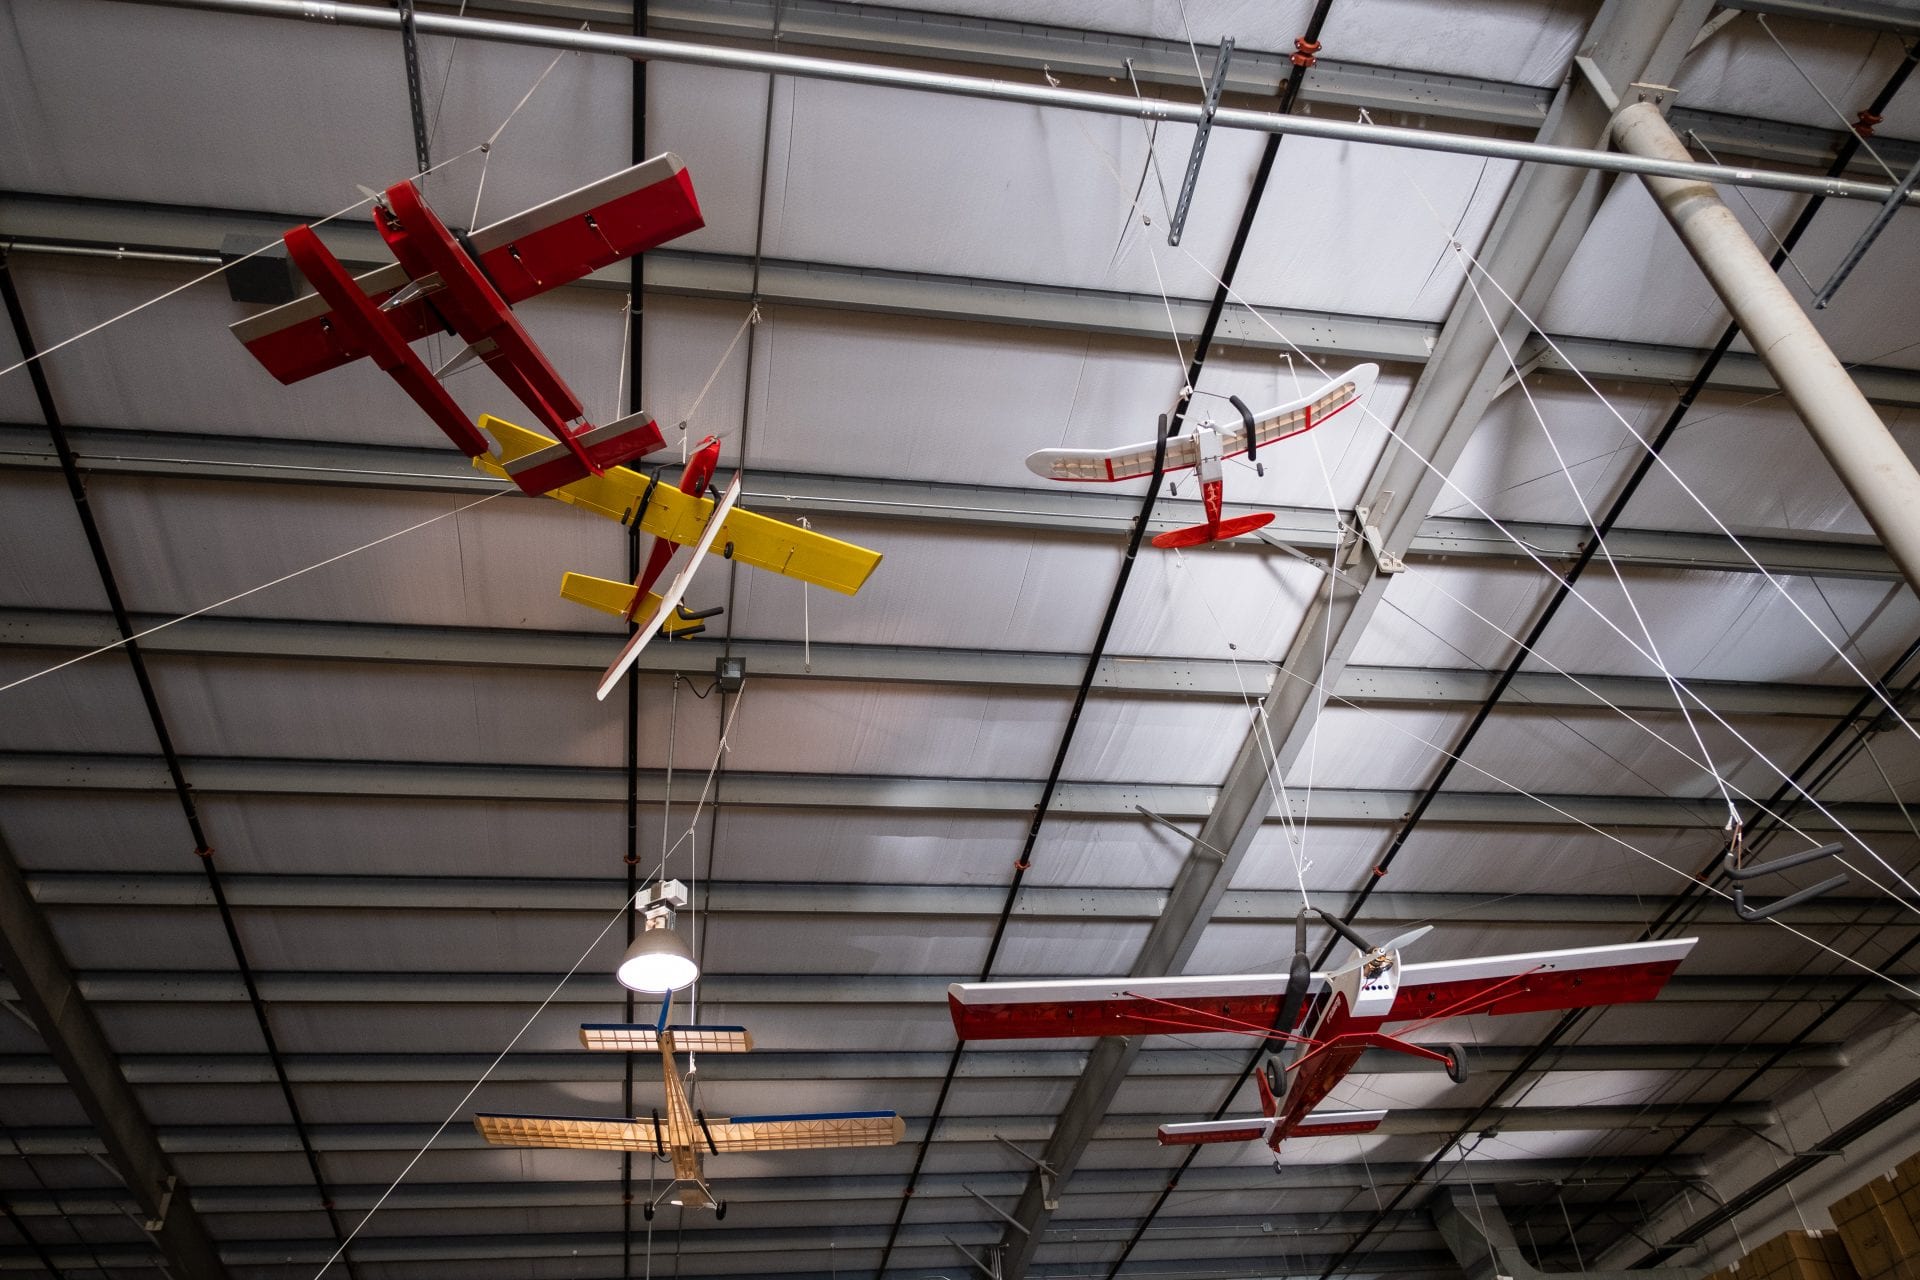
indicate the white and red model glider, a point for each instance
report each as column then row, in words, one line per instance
column 445, row 281
column 1338, row 1015
column 1206, row 450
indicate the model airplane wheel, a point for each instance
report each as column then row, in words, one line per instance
column 720, row 1211
column 1276, row 1078
column 646, row 1211
column 1457, row 1064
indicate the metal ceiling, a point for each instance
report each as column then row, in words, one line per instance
column 290, row 880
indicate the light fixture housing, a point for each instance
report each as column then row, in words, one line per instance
column 659, row 960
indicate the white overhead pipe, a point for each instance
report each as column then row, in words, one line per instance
column 1869, row 460
column 647, row 48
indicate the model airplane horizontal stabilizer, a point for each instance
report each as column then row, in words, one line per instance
column 1130, row 462
column 1529, row 983
column 666, row 512
column 1201, row 1132
column 634, row 1037
column 620, row 599
column 786, row 1133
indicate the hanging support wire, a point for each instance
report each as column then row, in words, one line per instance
column 1199, row 152
column 1739, row 871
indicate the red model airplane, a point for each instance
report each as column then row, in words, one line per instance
column 1343, row 1019
column 1206, row 450
column 467, row 285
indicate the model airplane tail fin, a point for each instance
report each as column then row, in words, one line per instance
column 1207, row 1131
column 1200, row 534
column 1325, row 1124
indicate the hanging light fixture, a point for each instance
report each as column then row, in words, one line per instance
column 659, row 959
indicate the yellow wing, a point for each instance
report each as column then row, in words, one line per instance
column 612, row 597
column 796, row 1133
column 577, row 1132
column 751, row 539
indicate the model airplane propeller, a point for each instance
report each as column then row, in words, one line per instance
column 1330, row 1019
column 1206, row 450
column 677, row 515
column 686, row 1135
column 444, row 281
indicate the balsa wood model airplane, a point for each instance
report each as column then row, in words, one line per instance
column 1340, row 1015
column 677, row 516
column 445, row 281
column 686, row 1135
column 1206, row 450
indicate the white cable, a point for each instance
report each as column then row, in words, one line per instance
column 459, row 1106
column 285, row 577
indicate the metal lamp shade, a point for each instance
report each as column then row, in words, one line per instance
column 658, row 961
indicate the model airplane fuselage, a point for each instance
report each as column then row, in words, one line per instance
column 1343, row 1015
column 685, row 1136
column 444, row 281
column 1206, row 449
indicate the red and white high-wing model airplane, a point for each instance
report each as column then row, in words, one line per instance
column 1339, row 1015
column 467, row 285
column 1206, row 449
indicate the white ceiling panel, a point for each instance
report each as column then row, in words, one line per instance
column 853, row 847
column 870, row 728
column 1754, row 466
column 1153, row 740
column 1453, row 615
column 1220, row 601
column 1513, row 469
column 48, row 565
column 1387, row 252
column 58, row 831
column 1367, row 748
column 357, row 836
column 334, row 711
column 1743, row 71
column 91, row 706
column 108, row 938
column 1013, row 192
column 1728, row 626
column 983, row 589
column 402, row 941
column 177, row 547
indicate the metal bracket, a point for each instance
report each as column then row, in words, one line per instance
column 1199, row 846
column 166, row 1202
column 1049, row 1176
column 1205, row 127
column 1732, row 865
column 1370, row 534
column 990, row 1268
column 1880, row 220
column 998, row 1212
column 409, row 45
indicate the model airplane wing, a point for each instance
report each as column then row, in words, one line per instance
column 802, row 1132
column 550, row 244
column 1132, row 461
column 667, row 600
column 584, row 1133
column 1250, row 1003
column 666, row 512
column 632, row 1037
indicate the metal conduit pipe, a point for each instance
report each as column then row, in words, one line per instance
column 1039, row 95
column 1876, row 471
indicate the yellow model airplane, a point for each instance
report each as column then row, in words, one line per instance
column 686, row 1135
column 675, row 516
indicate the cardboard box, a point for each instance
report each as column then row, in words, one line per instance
column 1879, row 1232
column 1798, row 1255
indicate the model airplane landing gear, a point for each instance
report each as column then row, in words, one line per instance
column 646, row 1211
column 1457, row 1063
column 720, row 1210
